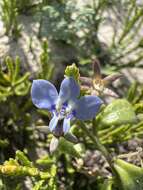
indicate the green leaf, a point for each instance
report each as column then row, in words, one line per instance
column 23, row 159
column 117, row 113
column 22, row 89
column 138, row 107
column 45, row 160
column 38, row 185
column 17, row 69
column 132, row 92
column 107, row 185
column 69, row 148
column 22, row 79
column 10, row 66
column 130, row 176
column 4, row 143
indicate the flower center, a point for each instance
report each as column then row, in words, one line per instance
column 62, row 114
column 64, row 110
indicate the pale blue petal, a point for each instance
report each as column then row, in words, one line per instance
column 87, row 107
column 43, row 93
column 66, row 125
column 69, row 90
column 53, row 123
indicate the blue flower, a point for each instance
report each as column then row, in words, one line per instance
column 64, row 106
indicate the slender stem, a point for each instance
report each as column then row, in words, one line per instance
column 98, row 145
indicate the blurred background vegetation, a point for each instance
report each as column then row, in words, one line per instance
column 39, row 39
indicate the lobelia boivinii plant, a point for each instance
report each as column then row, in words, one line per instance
column 65, row 106
column 69, row 105
column 124, row 176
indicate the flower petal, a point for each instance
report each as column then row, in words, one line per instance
column 53, row 123
column 43, row 93
column 87, row 107
column 69, row 90
column 66, row 125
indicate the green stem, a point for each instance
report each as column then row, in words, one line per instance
column 98, row 145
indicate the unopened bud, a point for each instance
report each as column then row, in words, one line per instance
column 54, row 144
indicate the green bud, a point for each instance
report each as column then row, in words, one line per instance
column 54, row 144
column 72, row 71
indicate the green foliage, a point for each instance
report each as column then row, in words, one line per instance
column 3, row 143
column 107, row 185
column 56, row 15
column 123, row 45
column 23, row 5
column 11, row 82
column 13, row 168
column 78, row 26
column 68, row 148
column 9, row 17
column 47, row 68
column 118, row 112
column 23, row 159
column 133, row 20
column 135, row 93
column 21, row 166
column 130, row 176
column 132, row 92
